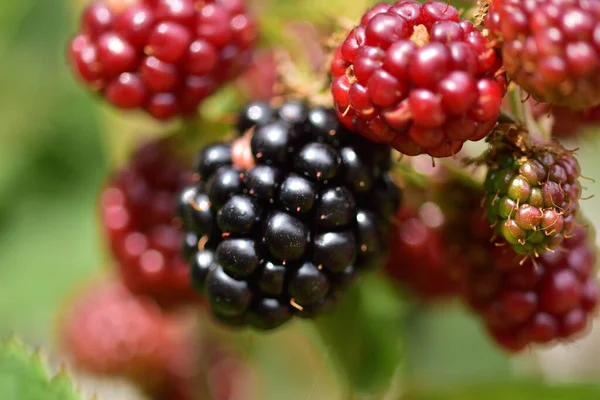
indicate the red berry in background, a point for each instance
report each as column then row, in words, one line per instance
column 550, row 48
column 551, row 300
column 109, row 331
column 418, row 253
column 566, row 122
column 536, row 302
column 521, row 301
column 417, row 77
column 138, row 214
column 163, row 56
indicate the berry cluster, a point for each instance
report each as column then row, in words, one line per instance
column 533, row 192
column 139, row 220
column 550, row 48
column 280, row 220
column 164, row 56
column 286, row 215
column 417, row 77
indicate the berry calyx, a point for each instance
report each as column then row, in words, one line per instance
column 550, row 48
column 418, row 78
column 164, row 57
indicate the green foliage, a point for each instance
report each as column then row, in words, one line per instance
column 364, row 334
column 51, row 166
column 23, row 376
column 436, row 339
column 517, row 391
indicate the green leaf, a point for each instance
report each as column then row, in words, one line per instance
column 23, row 376
column 365, row 335
column 446, row 346
column 517, row 391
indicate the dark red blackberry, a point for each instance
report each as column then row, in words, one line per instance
column 417, row 77
column 284, row 230
column 550, row 48
column 532, row 190
column 522, row 302
column 418, row 257
column 145, row 237
column 161, row 56
column 550, row 298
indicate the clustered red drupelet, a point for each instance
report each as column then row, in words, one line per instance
column 163, row 56
column 282, row 219
column 550, row 48
column 417, row 77
column 140, row 224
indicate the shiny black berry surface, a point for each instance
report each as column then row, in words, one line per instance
column 288, row 233
column 212, row 158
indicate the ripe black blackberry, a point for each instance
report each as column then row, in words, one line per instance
column 285, row 215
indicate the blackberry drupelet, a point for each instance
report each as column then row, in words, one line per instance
column 285, row 232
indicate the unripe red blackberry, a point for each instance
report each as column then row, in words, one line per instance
column 107, row 330
column 550, row 298
column 417, row 77
column 544, row 299
column 138, row 216
column 162, row 56
column 550, row 48
column 286, row 215
column 418, row 256
column 532, row 191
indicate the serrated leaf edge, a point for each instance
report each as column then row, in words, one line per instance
column 37, row 354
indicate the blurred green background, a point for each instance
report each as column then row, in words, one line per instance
column 53, row 157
